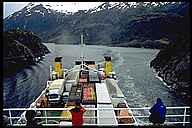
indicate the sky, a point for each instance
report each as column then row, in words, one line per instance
column 11, row 7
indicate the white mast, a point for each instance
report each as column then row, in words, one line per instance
column 82, row 57
column 81, row 39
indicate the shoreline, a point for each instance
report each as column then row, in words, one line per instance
column 161, row 79
column 171, row 90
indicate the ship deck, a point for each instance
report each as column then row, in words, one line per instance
column 108, row 108
column 87, row 87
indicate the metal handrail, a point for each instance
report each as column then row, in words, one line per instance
column 94, row 109
column 54, row 117
column 143, row 108
column 86, row 124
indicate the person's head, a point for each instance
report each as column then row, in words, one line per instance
column 47, row 91
column 5, row 120
column 77, row 104
column 159, row 100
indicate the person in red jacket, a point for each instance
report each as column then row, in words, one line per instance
column 77, row 114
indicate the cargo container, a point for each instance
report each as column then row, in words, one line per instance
column 88, row 95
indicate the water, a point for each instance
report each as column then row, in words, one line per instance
column 136, row 79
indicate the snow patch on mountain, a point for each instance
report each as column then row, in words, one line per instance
column 30, row 6
column 123, row 5
column 37, row 11
column 54, row 6
column 63, row 7
column 28, row 15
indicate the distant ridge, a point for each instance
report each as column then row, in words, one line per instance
column 127, row 24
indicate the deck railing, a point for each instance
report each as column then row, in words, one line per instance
column 139, row 114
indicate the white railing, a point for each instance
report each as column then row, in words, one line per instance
column 144, row 115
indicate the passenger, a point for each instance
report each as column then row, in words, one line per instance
column 47, row 97
column 31, row 120
column 158, row 112
column 77, row 114
column 5, row 121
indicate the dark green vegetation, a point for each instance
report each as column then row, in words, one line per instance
column 21, row 48
column 142, row 25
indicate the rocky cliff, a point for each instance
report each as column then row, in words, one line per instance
column 21, row 48
column 173, row 63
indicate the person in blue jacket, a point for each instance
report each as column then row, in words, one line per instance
column 158, row 112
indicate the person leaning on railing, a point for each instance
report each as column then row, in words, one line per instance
column 77, row 114
column 158, row 112
column 5, row 121
column 32, row 122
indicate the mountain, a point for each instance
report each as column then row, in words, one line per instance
column 137, row 24
column 35, row 18
column 161, row 25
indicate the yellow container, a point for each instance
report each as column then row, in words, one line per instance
column 58, row 68
column 108, row 68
